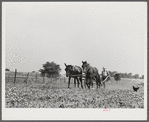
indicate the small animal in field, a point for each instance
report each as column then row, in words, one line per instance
column 136, row 88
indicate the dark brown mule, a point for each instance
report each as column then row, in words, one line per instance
column 91, row 73
column 74, row 72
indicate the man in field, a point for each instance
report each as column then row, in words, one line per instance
column 105, row 74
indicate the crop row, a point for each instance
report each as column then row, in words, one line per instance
column 45, row 96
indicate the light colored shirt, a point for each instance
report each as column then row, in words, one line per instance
column 104, row 73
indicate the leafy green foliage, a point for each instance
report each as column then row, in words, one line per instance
column 142, row 77
column 136, row 76
column 50, row 69
column 117, row 77
column 57, row 95
column 124, row 75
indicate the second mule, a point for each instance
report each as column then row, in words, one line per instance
column 91, row 73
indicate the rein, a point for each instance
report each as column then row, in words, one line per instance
column 83, row 74
column 77, row 75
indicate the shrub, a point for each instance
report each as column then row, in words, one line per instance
column 117, row 77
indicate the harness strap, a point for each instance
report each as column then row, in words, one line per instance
column 77, row 68
column 83, row 76
column 73, row 68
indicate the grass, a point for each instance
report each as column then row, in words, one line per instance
column 55, row 94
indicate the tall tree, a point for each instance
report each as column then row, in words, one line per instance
column 136, row 76
column 142, row 77
column 117, row 76
column 50, row 69
column 126, row 75
column 130, row 75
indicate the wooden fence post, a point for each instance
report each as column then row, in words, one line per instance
column 51, row 78
column 43, row 79
column 8, row 77
column 15, row 76
column 27, row 77
column 36, row 77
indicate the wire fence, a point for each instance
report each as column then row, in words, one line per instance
column 29, row 77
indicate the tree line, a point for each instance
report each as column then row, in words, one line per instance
column 52, row 70
column 126, row 75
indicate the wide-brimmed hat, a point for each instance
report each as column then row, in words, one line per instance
column 103, row 68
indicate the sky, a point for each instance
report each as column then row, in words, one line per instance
column 105, row 34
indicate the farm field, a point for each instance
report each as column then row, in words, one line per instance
column 55, row 94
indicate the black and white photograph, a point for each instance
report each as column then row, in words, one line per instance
column 74, row 60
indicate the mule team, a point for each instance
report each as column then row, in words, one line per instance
column 86, row 73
